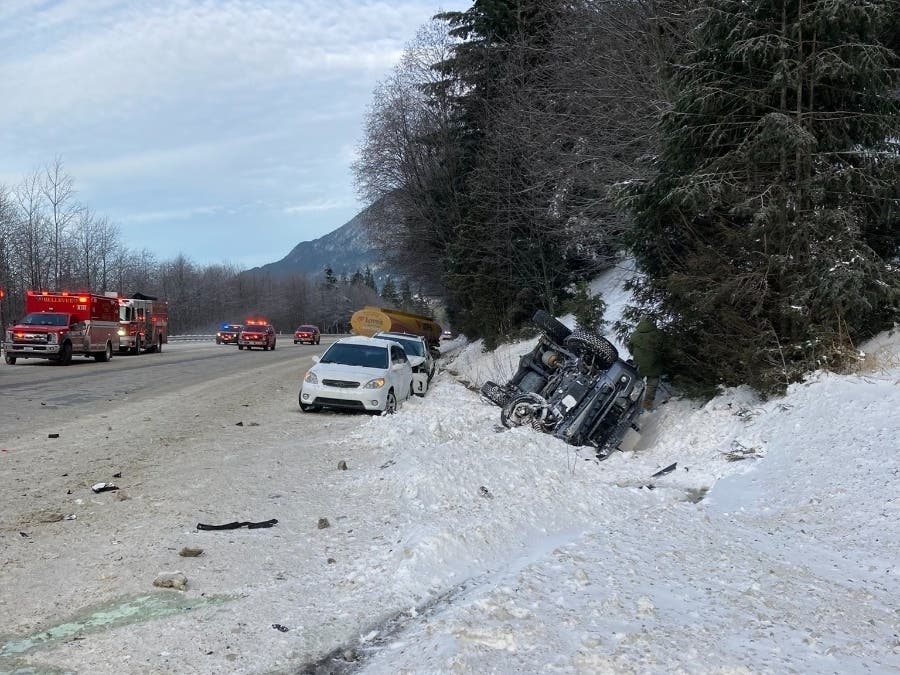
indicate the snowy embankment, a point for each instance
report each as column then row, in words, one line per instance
column 773, row 546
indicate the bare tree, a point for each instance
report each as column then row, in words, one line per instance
column 407, row 163
column 59, row 191
column 33, row 236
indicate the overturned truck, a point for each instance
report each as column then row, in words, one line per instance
column 574, row 386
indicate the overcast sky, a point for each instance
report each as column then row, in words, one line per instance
column 222, row 129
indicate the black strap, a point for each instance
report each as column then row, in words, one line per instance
column 235, row 525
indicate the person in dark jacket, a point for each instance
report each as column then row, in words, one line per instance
column 646, row 346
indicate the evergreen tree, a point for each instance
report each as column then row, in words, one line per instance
column 406, row 296
column 389, row 292
column 766, row 234
column 330, row 279
column 369, row 279
column 506, row 255
column 356, row 279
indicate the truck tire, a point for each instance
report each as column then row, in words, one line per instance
column 137, row 345
column 10, row 360
column 588, row 343
column 65, row 354
column 159, row 344
column 496, row 394
column 525, row 410
column 105, row 355
column 554, row 329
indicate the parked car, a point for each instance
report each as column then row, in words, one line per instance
column 257, row 334
column 228, row 334
column 572, row 385
column 420, row 358
column 358, row 373
column 307, row 333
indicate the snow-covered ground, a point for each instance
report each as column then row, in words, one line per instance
column 457, row 545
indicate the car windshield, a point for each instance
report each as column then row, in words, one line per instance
column 306, row 329
column 231, row 328
column 411, row 347
column 45, row 319
column 365, row 356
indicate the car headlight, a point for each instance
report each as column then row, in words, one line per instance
column 377, row 383
column 52, row 338
column 311, row 378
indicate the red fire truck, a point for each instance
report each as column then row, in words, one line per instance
column 58, row 325
column 143, row 323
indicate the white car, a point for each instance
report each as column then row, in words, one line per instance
column 419, row 356
column 358, row 373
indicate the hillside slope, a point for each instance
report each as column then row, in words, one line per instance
column 345, row 250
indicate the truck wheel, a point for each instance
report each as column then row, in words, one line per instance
column 273, row 345
column 496, row 394
column 159, row 345
column 586, row 342
column 137, row 345
column 105, row 355
column 240, row 346
column 65, row 354
column 554, row 329
column 10, row 360
column 527, row 409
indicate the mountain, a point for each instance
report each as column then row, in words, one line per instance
column 345, row 250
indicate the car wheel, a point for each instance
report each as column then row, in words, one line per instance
column 295, row 342
column 218, row 341
column 555, row 330
column 588, row 343
column 390, row 403
column 273, row 345
column 65, row 355
column 317, row 340
column 240, row 346
column 10, row 360
column 105, row 355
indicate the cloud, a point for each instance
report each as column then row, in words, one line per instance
column 117, row 57
column 172, row 215
column 315, row 206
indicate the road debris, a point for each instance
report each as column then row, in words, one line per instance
column 176, row 580
column 236, row 524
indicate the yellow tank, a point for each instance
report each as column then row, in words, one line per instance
column 370, row 320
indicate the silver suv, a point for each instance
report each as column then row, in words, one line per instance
column 420, row 358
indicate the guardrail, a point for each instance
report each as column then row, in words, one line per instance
column 212, row 337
